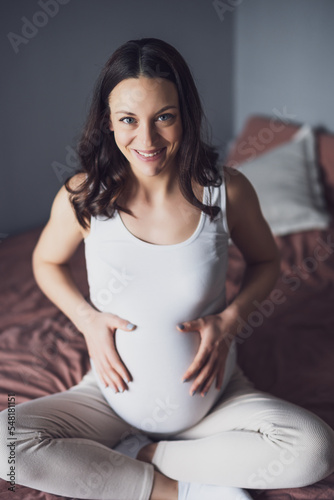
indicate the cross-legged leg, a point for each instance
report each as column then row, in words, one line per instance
column 63, row 446
column 250, row 439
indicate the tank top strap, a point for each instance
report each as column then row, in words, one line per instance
column 214, row 195
column 222, row 202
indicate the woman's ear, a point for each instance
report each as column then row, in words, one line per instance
column 111, row 126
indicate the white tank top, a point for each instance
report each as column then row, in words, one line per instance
column 156, row 287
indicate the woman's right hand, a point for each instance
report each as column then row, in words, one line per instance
column 99, row 333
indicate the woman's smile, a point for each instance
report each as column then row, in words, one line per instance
column 146, row 122
column 150, row 155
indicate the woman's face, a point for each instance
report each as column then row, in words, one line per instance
column 146, row 121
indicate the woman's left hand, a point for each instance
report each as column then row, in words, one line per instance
column 209, row 362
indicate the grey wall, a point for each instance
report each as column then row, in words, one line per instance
column 247, row 56
column 47, row 83
column 284, row 58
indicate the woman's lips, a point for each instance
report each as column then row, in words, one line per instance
column 148, row 155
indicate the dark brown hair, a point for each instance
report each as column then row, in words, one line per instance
column 106, row 168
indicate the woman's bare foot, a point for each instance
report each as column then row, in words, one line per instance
column 147, row 452
column 164, row 488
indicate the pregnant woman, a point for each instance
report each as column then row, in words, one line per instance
column 165, row 412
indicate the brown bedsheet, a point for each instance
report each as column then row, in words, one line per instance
column 290, row 354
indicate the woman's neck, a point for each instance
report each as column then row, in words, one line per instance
column 154, row 190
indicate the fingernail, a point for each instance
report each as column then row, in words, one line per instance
column 205, row 393
column 121, row 389
column 185, row 380
column 129, row 326
column 193, row 393
column 180, row 326
column 127, row 381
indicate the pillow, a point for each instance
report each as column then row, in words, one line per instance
column 287, row 183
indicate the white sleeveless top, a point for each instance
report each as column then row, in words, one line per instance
column 155, row 287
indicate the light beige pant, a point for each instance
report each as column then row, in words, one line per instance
column 250, row 439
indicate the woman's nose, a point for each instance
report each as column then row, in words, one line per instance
column 146, row 134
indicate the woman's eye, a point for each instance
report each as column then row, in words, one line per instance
column 127, row 118
column 165, row 117
column 162, row 118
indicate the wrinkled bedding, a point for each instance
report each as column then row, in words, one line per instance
column 289, row 352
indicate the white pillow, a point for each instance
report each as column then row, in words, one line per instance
column 287, row 183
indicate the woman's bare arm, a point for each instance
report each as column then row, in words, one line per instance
column 57, row 243
column 251, row 234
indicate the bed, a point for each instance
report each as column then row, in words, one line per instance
column 289, row 350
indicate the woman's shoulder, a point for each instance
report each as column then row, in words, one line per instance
column 77, row 180
column 63, row 207
column 241, row 197
column 237, row 184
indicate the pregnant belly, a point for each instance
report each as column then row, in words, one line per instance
column 157, row 400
